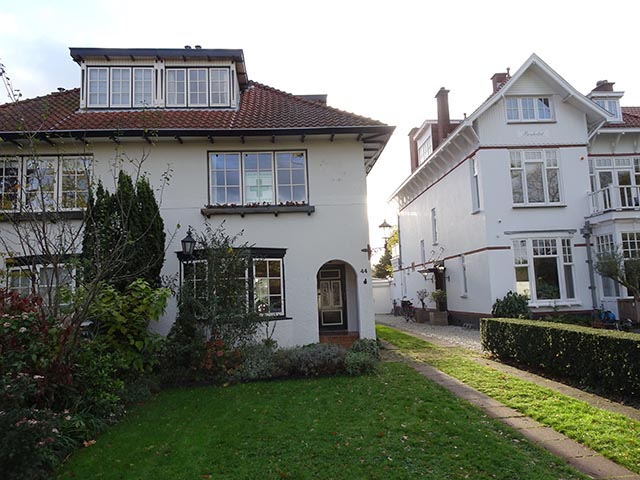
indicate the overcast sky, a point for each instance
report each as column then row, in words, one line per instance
column 381, row 59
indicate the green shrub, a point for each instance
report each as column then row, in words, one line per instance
column 314, row 360
column 604, row 360
column 368, row 346
column 512, row 305
column 359, row 363
column 260, row 361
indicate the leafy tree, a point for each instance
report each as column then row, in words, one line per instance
column 625, row 271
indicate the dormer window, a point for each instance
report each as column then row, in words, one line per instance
column 98, row 85
column 120, row 87
column 529, row 109
column 142, row 87
column 610, row 105
column 176, row 87
column 197, row 87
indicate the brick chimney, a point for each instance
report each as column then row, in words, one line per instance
column 444, row 122
column 413, row 149
column 498, row 80
column 604, row 86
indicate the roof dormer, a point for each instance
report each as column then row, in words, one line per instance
column 138, row 78
column 607, row 99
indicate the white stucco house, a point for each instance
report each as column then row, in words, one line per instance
column 287, row 170
column 519, row 195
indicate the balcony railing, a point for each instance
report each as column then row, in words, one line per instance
column 623, row 197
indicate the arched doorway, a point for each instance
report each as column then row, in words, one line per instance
column 337, row 302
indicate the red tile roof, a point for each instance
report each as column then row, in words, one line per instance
column 630, row 118
column 261, row 108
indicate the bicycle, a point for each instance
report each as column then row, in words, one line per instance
column 408, row 310
column 609, row 320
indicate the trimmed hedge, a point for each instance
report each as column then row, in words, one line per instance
column 605, row 360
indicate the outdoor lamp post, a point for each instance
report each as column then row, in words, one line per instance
column 188, row 244
column 386, row 229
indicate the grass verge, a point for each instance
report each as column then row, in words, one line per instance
column 612, row 435
column 390, row 425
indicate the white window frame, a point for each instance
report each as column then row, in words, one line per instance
column 32, row 273
column 611, row 106
column 281, row 311
column 550, row 160
column 224, row 82
column 606, row 244
column 122, row 92
column 559, row 248
column 516, row 108
column 143, row 83
column 276, row 172
column 98, row 83
column 425, row 149
column 30, row 185
column 199, row 92
column 178, row 91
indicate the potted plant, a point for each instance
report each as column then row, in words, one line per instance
column 440, row 316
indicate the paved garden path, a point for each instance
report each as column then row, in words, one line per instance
column 578, row 456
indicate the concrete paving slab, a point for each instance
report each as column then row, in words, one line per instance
column 501, row 412
column 600, row 467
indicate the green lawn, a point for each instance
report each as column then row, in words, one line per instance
column 612, row 435
column 390, row 425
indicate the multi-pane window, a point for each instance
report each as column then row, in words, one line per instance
column 45, row 280
column 40, row 184
column 225, row 178
column 631, row 244
column 292, row 179
column 425, row 149
column 75, row 182
column 98, row 87
column 267, row 286
column 264, row 283
column 606, row 245
column 9, row 183
column 120, row 87
column 176, row 87
column 219, row 83
column 44, row 183
column 528, row 109
column 535, row 177
column 612, row 106
column 257, row 178
column 198, row 87
column 544, row 268
column 195, row 275
column 142, row 87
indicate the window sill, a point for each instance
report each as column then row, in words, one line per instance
column 277, row 318
column 531, row 122
column 541, row 205
column 554, row 303
column 53, row 217
column 242, row 210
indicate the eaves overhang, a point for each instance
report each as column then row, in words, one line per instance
column 374, row 138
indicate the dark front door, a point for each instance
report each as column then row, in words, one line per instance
column 332, row 304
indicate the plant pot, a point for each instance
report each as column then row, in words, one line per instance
column 439, row 318
column 422, row 316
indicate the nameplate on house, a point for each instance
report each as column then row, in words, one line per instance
column 533, row 133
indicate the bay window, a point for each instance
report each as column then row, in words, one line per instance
column 544, row 268
column 27, row 277
column 257, row 178
column 535, row 177
column 606, row 245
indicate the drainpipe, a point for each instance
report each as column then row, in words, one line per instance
column 586, row 232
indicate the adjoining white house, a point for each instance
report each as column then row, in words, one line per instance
column 288, row 170
column 516, row 195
